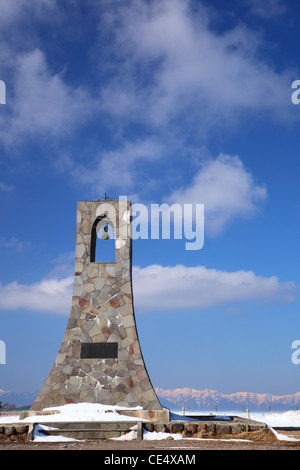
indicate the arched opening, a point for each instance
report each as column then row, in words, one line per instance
column 102, row 241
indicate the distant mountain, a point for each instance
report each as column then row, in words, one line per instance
column 211, row 400
column 17, row 399
column 195, row 400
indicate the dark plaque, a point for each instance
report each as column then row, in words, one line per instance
column 99, row 350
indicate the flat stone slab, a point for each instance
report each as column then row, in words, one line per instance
column 88, row 429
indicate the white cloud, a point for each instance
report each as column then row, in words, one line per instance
column 158, row 288
column 6, row 187
column 41, row 102
column 226, row 189
column 49, row 295
column 118, row 169
column 173, row 64
column 52, row 295
column 166, row 65
column 15, row 244
column 268, row 8
column 15, row 10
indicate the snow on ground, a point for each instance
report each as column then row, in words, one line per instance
column 88, row 412
column 130, row 436
column 282, row 419
column 282, row 437
column 154, row 436
column 38, row 435
column 98, row 412
column 77, row 412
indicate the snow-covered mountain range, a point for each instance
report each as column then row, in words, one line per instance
column 212, row 400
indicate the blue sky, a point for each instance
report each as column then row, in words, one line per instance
column 163, row 101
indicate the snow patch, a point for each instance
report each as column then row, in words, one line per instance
column 39, row 436
column 78, row 412
column 98, row 412
column 154, row 436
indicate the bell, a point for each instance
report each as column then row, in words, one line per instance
column 105, row 235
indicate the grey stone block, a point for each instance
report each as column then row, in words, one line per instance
column 223, row 428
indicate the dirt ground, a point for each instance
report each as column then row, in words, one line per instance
column 191, row 445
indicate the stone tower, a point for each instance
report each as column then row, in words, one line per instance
column 100, row 359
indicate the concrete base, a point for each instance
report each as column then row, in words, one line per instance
column 113, row 429
column 156, row 423
column 228, row 425
column 157, row 416
column 91, row 429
